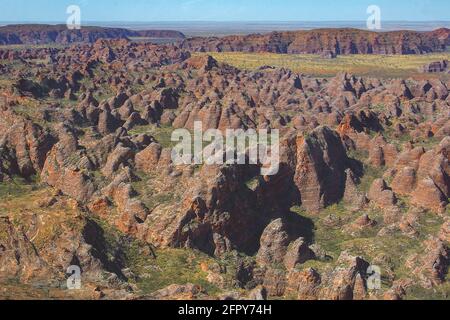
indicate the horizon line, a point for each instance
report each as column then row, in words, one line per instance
column 220, row 21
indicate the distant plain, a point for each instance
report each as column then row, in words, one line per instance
column 385, row 66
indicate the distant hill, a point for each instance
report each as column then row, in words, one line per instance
column 47, row 34
column 338, row 41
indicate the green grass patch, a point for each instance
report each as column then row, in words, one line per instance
column 155, row 268
column 17, row 187
column 370, row 175
column 162, row 134
column 149, row 194
column 386, row 66
column 253, row 183
column 441, row 292
column 171, row 266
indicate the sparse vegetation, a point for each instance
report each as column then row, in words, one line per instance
column 16, row 187
column 253, row 183
column 388, row 66
column 162, row 134
column 173, row 266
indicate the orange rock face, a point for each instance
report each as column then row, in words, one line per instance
column 320, row 170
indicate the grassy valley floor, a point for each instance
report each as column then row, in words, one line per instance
column 385, row 66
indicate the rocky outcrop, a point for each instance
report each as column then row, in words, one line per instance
column 274, row 244
column 436, row 67
column 207, row 218
column 18, row 256
column 298, row 252
column 424, row 176
column 336, row 41
column 432, row 265
column 428, row 195
column 352, row 196
column 25, row 143
column 404, row 181
column 381, row 195
column 277, row 247
column 181, row 292
column 346, row 282
column 305, row 285
column 132, row 213
column 320, row 169
column 147, row 160
column 66, row 168
column 45, row 34
column 43, row 251
column 119, row 157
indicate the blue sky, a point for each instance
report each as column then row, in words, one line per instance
column 223, row 10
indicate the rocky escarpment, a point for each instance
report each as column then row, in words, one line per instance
column 335, row 41
column 436, row 67
column 46, row 34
